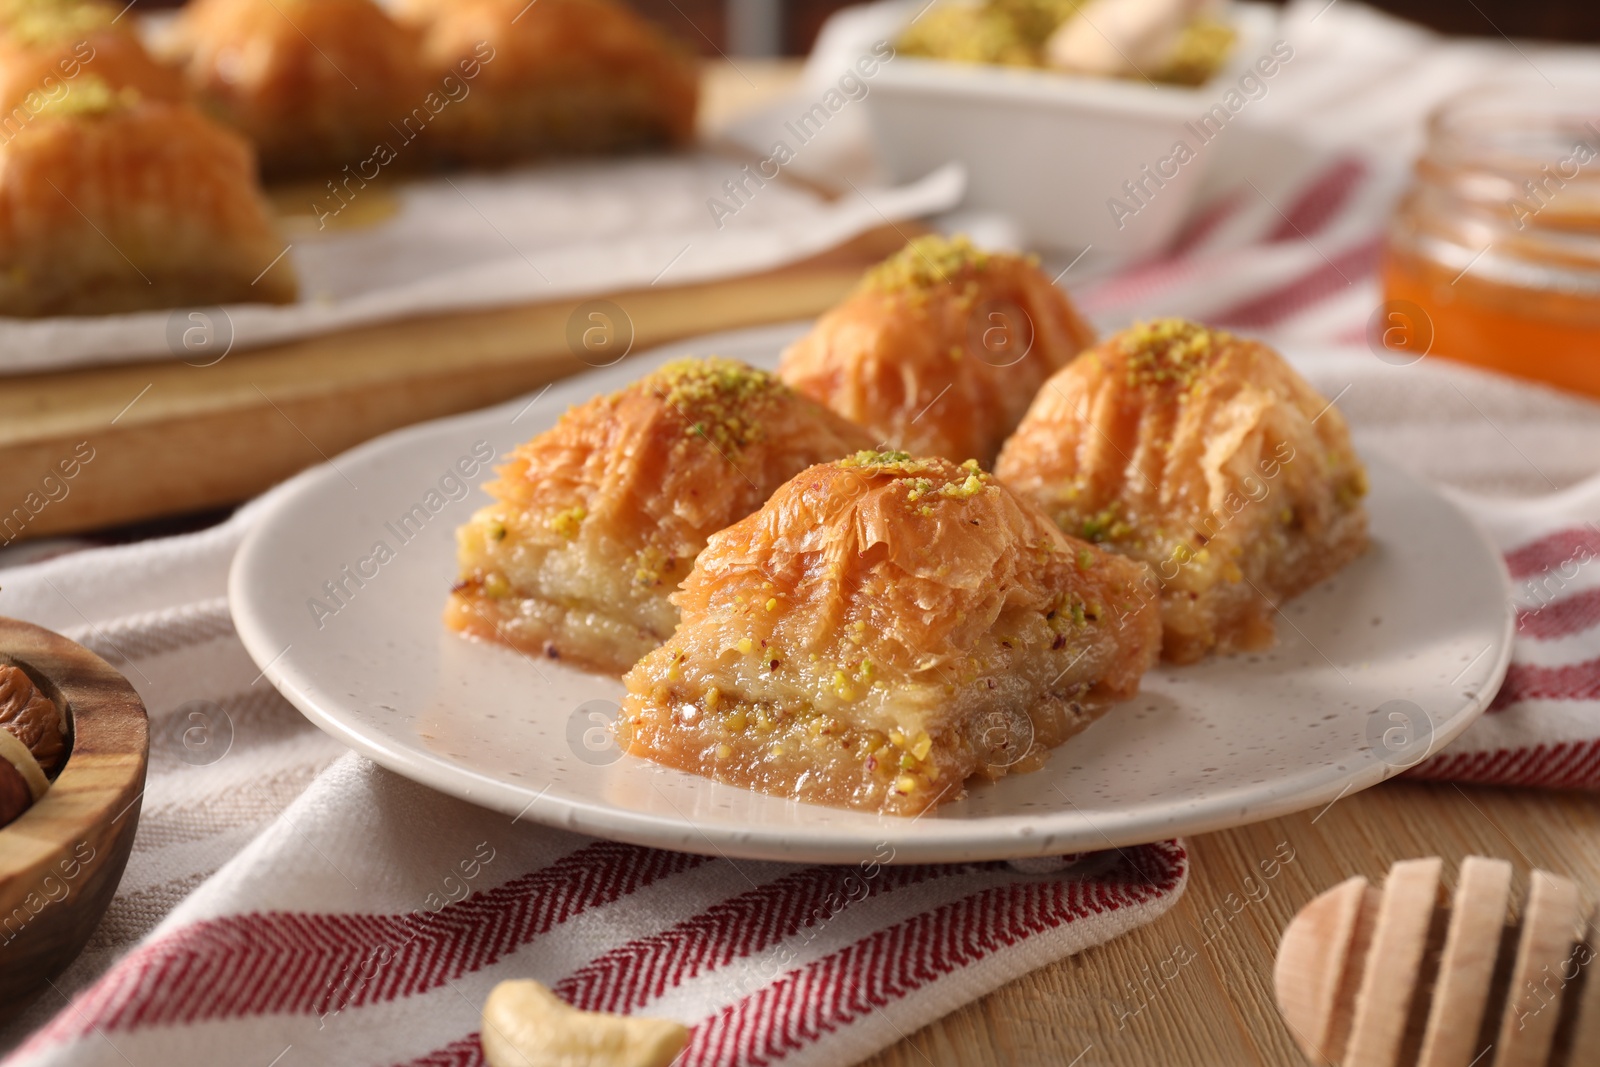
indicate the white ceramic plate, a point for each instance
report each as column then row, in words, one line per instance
column 1374, row 669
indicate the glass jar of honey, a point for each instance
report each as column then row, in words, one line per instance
column 1495, row 248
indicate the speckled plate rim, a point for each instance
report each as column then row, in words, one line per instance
column 808, row 833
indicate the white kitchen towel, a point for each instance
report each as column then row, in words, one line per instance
column 369, row 922
column 1543, row 728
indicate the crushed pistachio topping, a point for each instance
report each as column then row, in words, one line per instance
column 1073, row 609
column 1104, row 526
column 652, row 564
column 1010, row 32
column 1350, row 491
column 1169, row 351
column 914, row 471
column 1015, row 32
column 965, row 490
column 495, row 585
column 894, row 464
column 566, row 522
column 91, row 95
column 36, row 23
column 494, row 530
column 926, row 262
column 879, row 459
column 1202, row 48
column 721, row 400
column 965, row 34
column 1085, row 558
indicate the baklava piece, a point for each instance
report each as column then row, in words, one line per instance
column 316, row 85
column 110, row 202
column 46, row 44
column 884, row 630
column 596, row 520
column 1206, row 456
column 941, row 348
column 554, row 78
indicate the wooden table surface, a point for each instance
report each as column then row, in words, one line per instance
column 1111, row 1006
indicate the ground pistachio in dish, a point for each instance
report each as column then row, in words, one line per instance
column 1160, row 41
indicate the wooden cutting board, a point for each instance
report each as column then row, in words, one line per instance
column 151, row 439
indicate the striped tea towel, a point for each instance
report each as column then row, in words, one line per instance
column 1544, row 725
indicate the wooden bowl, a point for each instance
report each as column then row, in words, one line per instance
column 61, row 860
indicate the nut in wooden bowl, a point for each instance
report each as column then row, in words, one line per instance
column 74, row 743
column 1392, row 978
column 34, row 738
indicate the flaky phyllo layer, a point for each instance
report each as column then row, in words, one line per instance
column 940, row 349
column 596, row 520
column 885, row 629
column 1207, row 457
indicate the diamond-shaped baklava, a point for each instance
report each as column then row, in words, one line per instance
column 885, row 629
column 1206, row 456
column 329, row 89
column 113, row 202
column 596, row 520
column 552, row 78
column 940, row 349
column 45, row 45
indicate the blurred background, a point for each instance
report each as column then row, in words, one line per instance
column 789, row 27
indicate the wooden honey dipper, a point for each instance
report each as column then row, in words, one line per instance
column 1370, row 978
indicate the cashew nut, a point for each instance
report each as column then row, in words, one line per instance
column 526, row 1025
column 1122, row 37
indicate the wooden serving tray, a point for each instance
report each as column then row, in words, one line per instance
column 152, row 439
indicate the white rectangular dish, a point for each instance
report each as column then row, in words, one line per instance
column 1053, row 152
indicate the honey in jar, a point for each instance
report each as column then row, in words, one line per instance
column 1495, row 248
